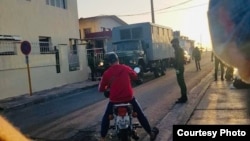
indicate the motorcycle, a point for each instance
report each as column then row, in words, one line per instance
column 123, row 125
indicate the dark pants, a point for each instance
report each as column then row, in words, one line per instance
column 92, row 69
column 182, row 84
column 140, row 115
column 197, row 64
column 217, row 63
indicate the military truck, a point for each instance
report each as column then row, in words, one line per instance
column 145, row 45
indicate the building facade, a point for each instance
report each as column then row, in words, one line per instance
column 53, row 21
column 56, row 57
column 97, row 33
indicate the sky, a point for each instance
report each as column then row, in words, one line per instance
column 187, row 16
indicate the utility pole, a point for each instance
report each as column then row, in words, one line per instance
column 152, row 12
column 201, row 40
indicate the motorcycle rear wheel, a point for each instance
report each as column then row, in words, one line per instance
column 125, row 135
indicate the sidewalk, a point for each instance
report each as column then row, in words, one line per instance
column 217, row 103
column 223, row 105
column 41, row 96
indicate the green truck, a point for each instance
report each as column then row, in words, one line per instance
column 145, row 45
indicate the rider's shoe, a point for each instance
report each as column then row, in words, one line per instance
column 135, row 136
column 154, row 133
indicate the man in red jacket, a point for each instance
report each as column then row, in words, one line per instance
column 117, row 78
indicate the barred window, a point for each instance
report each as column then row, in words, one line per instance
column 45, row 44
column 57, row 3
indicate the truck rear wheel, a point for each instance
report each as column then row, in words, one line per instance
column 163, row 67
column 157, row 72
column 140, row 76
column 160, row 69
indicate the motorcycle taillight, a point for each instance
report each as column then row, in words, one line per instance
column 111, row 117
column 134, row 114
column 122, row 111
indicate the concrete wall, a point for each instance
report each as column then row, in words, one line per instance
column 31, row 19
column 43, row 74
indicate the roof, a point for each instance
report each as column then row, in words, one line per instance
column 99, row 35
column 106, row 16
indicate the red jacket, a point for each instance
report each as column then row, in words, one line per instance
column 118, row 79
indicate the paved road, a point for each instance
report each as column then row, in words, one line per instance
column 78, row 115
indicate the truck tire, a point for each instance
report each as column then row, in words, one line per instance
column 140, row 76
column 163, row 67
column 158, row 69
column 157, row 73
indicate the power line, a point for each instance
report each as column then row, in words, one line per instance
column 166, row 8
column 144, row 13
column 185, row 8
column 175, row 5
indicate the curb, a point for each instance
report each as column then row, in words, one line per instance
column 41, row 99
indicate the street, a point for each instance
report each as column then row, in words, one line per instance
column 78, row 116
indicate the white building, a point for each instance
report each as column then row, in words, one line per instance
column 45, row 24
column 97, row 32
column 55, row 21
column 99, row 24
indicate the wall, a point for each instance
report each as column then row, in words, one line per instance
column 95, row 23
column 14, row 76
column 30, row 19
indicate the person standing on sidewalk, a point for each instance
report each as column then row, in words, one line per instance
column 91, row 64
column 229, row 22
column 217, row 63
column 196, row 54
column 179, row 66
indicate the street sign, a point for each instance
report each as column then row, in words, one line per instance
column 25, row 47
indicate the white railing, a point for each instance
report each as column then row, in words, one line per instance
column 8, row 48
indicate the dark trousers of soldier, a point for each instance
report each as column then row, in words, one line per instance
column 197, row 64
column 182, row 84
column 217, row 63
column 92, row 68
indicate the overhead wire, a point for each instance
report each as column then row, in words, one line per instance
column 184, row 8
column 166, row 8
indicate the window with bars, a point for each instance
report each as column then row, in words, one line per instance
column 57, row 3
column 45, row 44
